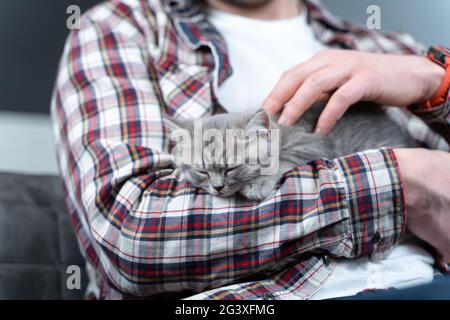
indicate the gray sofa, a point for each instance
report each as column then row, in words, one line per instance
column 37, row 242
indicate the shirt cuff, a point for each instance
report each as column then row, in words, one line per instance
column 437, row 118
column 376, row 204
column 438, row 113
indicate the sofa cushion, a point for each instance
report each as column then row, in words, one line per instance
column 37, row 242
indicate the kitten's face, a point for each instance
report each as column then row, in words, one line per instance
column 220, row 180
column 218, row 174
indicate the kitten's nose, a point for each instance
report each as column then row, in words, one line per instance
column 218, row 188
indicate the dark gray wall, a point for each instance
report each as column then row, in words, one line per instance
column 427, row 20
column 32, row 34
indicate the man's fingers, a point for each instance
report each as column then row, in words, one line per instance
column 347, row 95
column 324, row 97
column 441, row 263
column 311, row 91
column 288, row 84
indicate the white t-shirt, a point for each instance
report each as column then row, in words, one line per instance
column 260, row 51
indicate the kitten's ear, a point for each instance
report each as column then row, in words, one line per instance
column 170, row 123
column 177, row 132
column 259, row 121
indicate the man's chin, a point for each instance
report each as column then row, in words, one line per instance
column 246, row 3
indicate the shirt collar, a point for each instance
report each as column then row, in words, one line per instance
column 194, row 28
column 182, row 8
column 196, row 31
column 318, row 13
column 192, row 8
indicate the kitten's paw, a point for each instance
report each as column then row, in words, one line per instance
column 258, row 191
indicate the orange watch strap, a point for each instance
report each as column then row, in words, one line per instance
column 440, row 56
column 441, row 95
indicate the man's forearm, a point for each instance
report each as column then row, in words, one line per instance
column 436, row 109
column 426, row 180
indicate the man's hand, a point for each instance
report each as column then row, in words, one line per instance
column 426, row 183
column 348, row 77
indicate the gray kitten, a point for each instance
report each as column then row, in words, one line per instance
column 364, row 126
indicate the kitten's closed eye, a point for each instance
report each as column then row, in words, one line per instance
column 230, row 171
column 201, row 174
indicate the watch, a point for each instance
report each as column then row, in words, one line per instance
column 441, row 56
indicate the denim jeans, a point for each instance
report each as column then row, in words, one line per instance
column 439, row 289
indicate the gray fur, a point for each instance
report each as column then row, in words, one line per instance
column 363, row 127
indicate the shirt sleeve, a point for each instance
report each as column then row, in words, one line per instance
column 437, row 118
column 154, row 233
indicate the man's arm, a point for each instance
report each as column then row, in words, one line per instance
column 426, row 180
column 152, row 233
column 390, row 70
column 394, row 75
column 350, row 77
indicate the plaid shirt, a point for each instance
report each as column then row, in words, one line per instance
column 146, row 233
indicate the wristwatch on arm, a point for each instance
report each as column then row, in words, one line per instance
column 441, row 56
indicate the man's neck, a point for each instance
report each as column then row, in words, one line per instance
column 271, row 10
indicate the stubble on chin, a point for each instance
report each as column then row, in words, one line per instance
column 245, row 3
